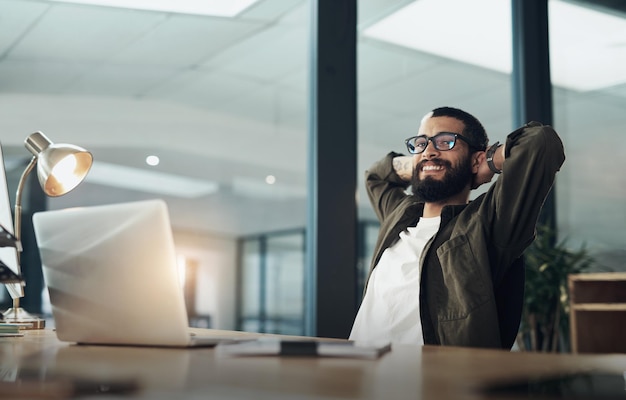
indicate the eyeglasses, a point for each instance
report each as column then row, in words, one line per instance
column 442, row 141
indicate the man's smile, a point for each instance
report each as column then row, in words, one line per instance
column 432, row 167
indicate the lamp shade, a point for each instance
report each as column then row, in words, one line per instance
column 60, row 167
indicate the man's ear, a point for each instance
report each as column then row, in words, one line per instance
column 478, row 158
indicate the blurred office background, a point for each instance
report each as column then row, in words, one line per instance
column 222, row 100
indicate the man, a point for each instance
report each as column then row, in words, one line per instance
column 446, row 270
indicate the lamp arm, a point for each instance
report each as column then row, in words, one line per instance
column 18, row 203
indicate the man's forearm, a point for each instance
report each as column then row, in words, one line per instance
column 403, row 165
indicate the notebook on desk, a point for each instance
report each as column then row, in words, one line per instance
column 112, row 277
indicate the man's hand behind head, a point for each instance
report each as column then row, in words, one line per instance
column 484, row 174
column 403, row 165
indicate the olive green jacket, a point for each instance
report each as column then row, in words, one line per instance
column 468, row 266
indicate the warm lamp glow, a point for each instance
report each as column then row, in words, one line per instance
column 65, row 176
column 60, row 167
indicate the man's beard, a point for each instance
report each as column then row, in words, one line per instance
column 454, row 181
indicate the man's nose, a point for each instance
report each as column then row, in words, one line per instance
column 430, row 151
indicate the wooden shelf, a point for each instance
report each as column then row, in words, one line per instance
column 599, row 276
column 599, row 307
column 598, row 312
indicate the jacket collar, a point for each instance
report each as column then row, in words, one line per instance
column 447, row 213
column 450, row 212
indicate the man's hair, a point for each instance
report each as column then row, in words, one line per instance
column 474, row 130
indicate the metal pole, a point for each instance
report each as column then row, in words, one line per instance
column 331, row 234
column 532, row 87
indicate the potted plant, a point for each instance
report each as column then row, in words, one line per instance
column 545, row 316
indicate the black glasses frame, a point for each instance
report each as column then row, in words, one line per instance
column 413, row 150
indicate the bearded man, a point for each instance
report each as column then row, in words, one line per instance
column 446, row 270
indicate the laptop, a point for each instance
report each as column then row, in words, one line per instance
column 112, row 277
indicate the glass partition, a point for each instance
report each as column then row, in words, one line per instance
column 589, row 77
column 272, row 283
column 210, row 113
column 415, row 56
column 206, row 109
column 401, row 76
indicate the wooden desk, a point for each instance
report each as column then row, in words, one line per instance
column 407, row 372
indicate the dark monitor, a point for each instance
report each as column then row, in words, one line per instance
column 8, row 254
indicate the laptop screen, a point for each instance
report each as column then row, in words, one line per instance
column 111, row 274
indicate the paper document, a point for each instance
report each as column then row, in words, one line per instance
column 316, row 348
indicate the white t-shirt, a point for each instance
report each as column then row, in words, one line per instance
column 390, row 310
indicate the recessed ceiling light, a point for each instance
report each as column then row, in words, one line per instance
column 586, row 46
column 270, row 179
column 219, row 8
column 153, row 161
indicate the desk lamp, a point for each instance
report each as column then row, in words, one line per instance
column 60, row 168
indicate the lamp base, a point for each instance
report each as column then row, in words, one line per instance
column 23, row 318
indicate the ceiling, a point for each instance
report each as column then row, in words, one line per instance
column 224, row 101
